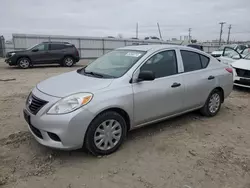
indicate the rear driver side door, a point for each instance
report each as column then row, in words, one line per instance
column 198, row 78
column 56, row 52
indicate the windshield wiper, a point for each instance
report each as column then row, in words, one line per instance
column 94, row 74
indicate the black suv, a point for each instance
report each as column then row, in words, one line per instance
column 63, row 53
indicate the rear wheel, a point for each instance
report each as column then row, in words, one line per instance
column 68, row 61
column 105, row 133
column 24, row 63
column 213, row 104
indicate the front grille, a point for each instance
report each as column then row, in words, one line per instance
column 35, row 104
column 242, row 82
column 243, row 73
column 36, row 131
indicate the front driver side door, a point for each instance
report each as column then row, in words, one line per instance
column 39, row 54
column 161, row 97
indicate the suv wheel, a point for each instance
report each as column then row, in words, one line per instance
column 23, row 63
column 68, row 61
column 105, row 133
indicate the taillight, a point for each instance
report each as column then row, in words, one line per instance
column 76, row 51
column 230, row 70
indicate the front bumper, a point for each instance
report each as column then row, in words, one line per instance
column 11, row 61
column 241, row 81
column 69, row 128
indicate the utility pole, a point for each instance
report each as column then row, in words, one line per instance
column 221, row 31
column 136, row 30
column 159, row 30
column 229, row 30
column 189, row 35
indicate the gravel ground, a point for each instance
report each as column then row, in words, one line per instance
column 189, row 151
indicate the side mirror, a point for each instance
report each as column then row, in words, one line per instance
column 35, row 50
column 146, row 76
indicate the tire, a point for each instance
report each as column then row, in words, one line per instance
column 215, row 99
column 68, row 61
column 24, row 63
column 97, row 137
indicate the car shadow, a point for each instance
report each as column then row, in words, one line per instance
column 141, row 133
column 241, row 89
column 43, row 66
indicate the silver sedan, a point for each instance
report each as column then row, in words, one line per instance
column 130, row 87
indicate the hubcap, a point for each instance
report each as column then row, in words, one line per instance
column 24, row 63
column 68, row 61
column 107, row 134
column 214, row 103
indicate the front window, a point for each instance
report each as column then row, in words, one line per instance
column 162, row 64
column 231, row 53
column 39, row 47
column 224, row 46
column 240, row 48
column 113, row 64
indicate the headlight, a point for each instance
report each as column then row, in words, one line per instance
column 70, row 103
column 11, row 54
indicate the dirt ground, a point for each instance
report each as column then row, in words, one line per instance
column 189, row 151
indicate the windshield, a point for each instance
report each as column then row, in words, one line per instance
column 113, row 64
column 247, row 57
column 32, row 47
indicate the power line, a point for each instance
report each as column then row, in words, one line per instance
column 221, row 30
column 229, row 30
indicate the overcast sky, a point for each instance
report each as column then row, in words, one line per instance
column 111, row 17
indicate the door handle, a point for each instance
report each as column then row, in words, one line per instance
column 176, row 85
column 210, row 78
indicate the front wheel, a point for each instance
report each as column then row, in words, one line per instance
column 213, row 104
column 24, row 63
column 105, row 133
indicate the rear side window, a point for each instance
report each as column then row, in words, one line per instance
column 57, row 46
column 193, row 61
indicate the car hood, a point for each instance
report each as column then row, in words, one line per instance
column 17, row 51
column 217, row 52
column 70, row 83
column 242, row 64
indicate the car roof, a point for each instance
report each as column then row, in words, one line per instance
column 56, row 42
column 157, row 47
